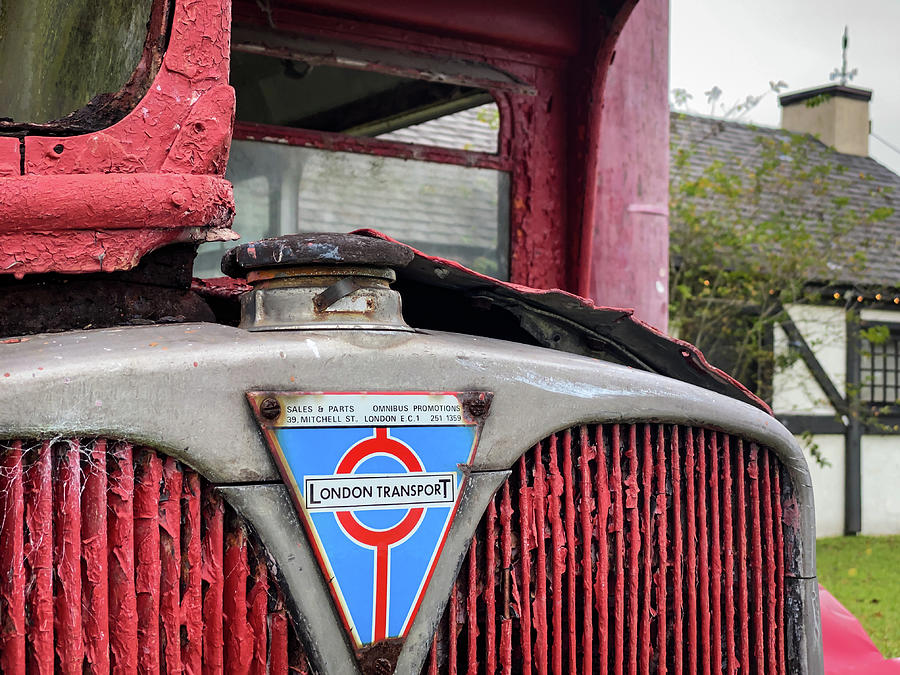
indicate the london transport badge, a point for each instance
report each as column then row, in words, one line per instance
column 376, row 479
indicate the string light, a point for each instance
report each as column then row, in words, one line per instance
column 878, row 296
column 859, row 298
column 837, row 296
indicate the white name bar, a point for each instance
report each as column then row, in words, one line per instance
column 379, row 491
column 370, row 410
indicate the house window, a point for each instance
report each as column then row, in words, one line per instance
column 326, row 142
column 880, row 369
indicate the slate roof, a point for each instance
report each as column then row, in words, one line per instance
column 867, row 185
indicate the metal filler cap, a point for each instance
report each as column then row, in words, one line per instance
column 319, row 281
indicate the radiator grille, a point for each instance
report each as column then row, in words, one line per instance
column 118, row 559
column 625, row 549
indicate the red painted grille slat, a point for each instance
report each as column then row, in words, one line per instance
column 39, row 560
column 612, row 549
column 95, row 594
column 191, row 573
column 123, row 622
column 117, row 563
column 12, row 562
column 67, row 556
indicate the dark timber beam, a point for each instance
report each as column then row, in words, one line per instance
column 853, row 433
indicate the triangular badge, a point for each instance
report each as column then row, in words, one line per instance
column 376, row 479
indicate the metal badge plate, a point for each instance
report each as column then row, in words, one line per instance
column 376, row 480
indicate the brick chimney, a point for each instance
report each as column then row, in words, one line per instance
column 838, row 115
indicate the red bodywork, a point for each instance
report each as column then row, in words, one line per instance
column 65, row 205
column 552, row 141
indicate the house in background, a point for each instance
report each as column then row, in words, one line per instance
column 842, row 389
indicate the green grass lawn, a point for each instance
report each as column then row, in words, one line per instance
column 863, row 573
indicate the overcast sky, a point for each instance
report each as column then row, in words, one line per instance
column 740, row 45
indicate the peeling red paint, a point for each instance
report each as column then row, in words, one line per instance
column 646, row 545
column 39, row 559
column 617, row 490
column 278, row 651
column 123, row 619
column 257, row 614
column 170, row 567
column 472, row 610
column 506, row 624
column 571, row 581
column 769, row 546
column 135, row 193
column 728, row 543
column 237, row 633
column 213, row 575
column 490, row 600
column 148, row 570
column 191, row 576
column 557, row 552
column 67, row 559
column 779, row 566
column 453, row 631
column 12, row 580
column 677, row 555
column 703, row 553
column 94, row 551
column 691, row 551
column 10, row 157
column 650, row 625
column 540, row 578
column 759, row 654
column 96, row 222
column 661, row 578
column 741, row 535
column 715, row 569
column 586, row 509
column 526, row 544
column 76, row 598
column 632, row 490
column 601, row 581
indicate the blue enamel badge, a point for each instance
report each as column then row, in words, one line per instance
column 376, row 478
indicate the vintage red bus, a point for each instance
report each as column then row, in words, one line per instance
column 285, row 470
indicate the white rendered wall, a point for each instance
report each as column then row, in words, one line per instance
column 828, row 485
column 880, row 485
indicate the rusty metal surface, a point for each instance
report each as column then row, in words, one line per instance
column 369, row 305
column 332, row 249
column 158, row 290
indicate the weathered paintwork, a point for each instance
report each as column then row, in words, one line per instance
column 174, row 143
column 547, row 138
column 628, row 259
column 106, row 222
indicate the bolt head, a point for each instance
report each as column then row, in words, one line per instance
column 270, row 408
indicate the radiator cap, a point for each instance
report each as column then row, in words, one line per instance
column 326, row 249
column 319, row 281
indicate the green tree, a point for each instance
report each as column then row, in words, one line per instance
column 756, row 226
